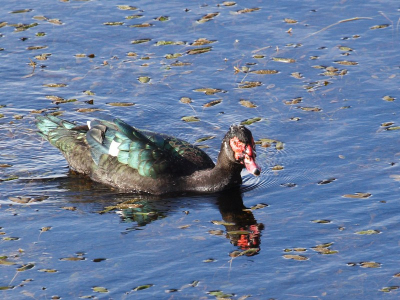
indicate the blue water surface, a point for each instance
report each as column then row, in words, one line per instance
column 326, row 226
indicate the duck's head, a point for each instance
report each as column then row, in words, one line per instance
column 241, row 148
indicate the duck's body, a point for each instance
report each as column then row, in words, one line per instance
column 132, row 160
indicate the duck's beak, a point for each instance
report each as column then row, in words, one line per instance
column 250, row 162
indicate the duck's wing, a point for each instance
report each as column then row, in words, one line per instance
column 152, row 155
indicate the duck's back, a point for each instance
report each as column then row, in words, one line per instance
column 123, row 156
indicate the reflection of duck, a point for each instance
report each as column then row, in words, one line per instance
column 240, row 224
column 139, row 210
column 130, row 159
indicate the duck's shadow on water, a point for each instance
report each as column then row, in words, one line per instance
column 138, row 210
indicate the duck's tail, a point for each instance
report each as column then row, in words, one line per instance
column 68, row 138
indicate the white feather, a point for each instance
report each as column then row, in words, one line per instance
column 113, row 151
column 88, row 124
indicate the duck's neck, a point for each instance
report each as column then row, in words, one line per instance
column 225, row 175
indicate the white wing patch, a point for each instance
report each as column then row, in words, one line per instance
column 113, row 151
column 88, row 124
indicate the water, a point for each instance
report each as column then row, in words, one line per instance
column 73, row 241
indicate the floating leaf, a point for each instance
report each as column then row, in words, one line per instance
column 207, row 17
column 293, row 101
column 326, row 181
column 99, row 289
column 222, row 223
column 173, row 56
column 247, row 10
column 25, row 267
column 380, row 26
column 290, row 21
column 389, row 288
column 48, row 270
column 324, row 250
column 73, row 258
column 346, row 62
column 295, row 257
column 393, row 128
column 277, row 168
column 228, row 3
column 368, row 232
column 264, row 72
column 162, row 18
column 55, row 85
column 258, row 56
column 250, row 121
column 247, row 103
column 201, row 42
column 213, row 232
column 238, row 232
column 344, row 48
column 140, row 41
column 206, row 138
column 186, row 100
column 46, row 228
column 209, row 91
column 190, row 119
column 259, row 206
column 142, row 287
column 143, row 25
column 20, row 11
column 120, row 103
column 284, row 60
column 321, row 221
column 199, row 50
column 5, row 262
column 126, row 7
column 249, row 84
column 212, row 103
column 144, row 79
column 247, row 252
column 10, row 238
column 220, row 295
column 133, row 17
column 164, row 43
column 88, row 110
column 310, row 108
column 370, row 264
column 388, row 98
column 113, row 23
column 357, row 195
column 180, row 64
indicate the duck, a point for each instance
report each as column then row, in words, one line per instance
column 141, row 161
